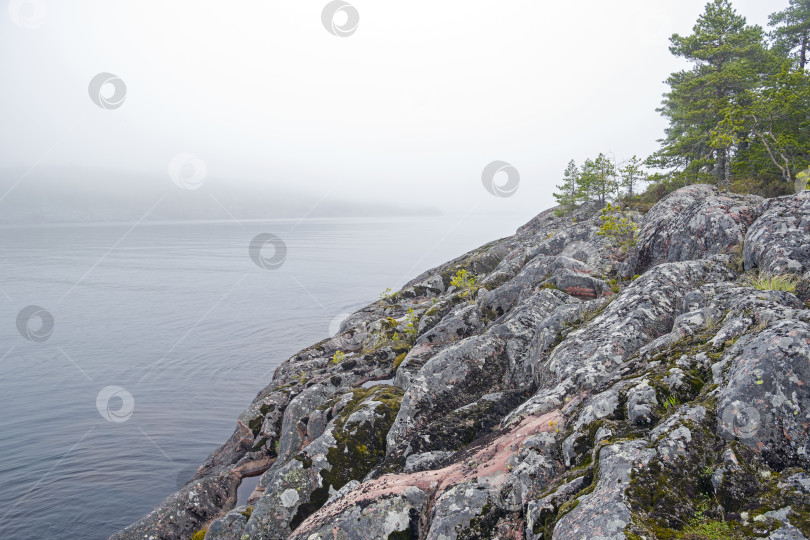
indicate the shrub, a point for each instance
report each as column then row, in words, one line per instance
column 411, row 324
column 338, row 357
column 619, row 230
column 465, row 282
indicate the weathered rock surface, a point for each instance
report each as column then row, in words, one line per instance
column 577, row 393
column 693, row 223
column 778, row 241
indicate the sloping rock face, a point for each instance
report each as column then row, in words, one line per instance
column 577, row 393
column 692, row 223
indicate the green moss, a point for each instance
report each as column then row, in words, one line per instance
column 698, row 530
column 567, row 507
column 676, row 499
column 489, row 314
column 547, row 522
column 255, row 425
column 266, row 408
column 357, row 449
column 481, row 526
column 356, row 452
column 398, row 360
column 305, row 461
column 799, row 517
column 199, row 535
column 247, row 512
column 401, row 347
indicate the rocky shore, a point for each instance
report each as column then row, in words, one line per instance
column 570, row 392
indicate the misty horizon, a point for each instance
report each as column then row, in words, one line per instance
column 74, row 195
column 406, row 111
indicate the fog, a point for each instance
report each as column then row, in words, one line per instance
column 402, row 114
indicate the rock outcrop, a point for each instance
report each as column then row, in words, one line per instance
column 572, row 392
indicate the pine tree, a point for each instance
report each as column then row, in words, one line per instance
column 631, row 174
column 597, row 179
column 728, row 55
column 567, row 195
column 778, row 115
column 775, row 113
column 791, row 32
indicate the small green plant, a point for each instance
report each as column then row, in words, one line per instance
column 619, row 230
column 387, row 294
column 199, row 535
column 338, row 357
column 411, row 324
column 247, row 512
column 670, row 403
column 765, row 281
column 705, row 529
column 465, row 282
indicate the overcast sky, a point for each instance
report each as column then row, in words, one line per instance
column 410, row 107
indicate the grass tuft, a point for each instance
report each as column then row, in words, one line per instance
column 765, row 281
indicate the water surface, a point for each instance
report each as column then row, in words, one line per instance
column 180, row 318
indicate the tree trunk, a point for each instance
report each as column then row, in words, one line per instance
column 728, row 169
column 803, row 54
column 721, row 166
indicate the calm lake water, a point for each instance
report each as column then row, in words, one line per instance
column 178, row 317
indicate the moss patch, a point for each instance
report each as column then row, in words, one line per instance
column 247, row 512
column 358, row 449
